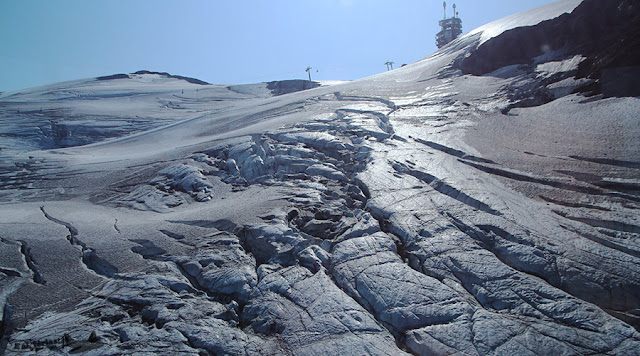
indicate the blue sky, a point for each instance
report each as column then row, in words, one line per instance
column 223, row 42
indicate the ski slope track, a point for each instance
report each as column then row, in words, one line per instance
column 420, row 211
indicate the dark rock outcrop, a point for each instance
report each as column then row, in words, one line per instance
column 282, row 87
column 114, row 76
column 605, row 32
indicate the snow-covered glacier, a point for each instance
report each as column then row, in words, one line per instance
column 482, row 201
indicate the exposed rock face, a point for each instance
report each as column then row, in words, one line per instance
column 594, row 50
column 282, row 87
column 401, row 214
column 593, row 29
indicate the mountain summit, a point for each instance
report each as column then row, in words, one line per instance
column 482, row 201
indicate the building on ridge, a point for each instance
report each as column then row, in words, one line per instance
column 451, row 27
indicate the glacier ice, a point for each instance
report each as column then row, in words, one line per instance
column 420, row 211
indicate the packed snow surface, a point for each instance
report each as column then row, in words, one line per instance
column 419, row 211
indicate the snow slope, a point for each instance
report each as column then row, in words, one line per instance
column 418, row 211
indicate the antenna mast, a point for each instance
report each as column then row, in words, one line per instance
column 451, row 27
column 308, row 70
